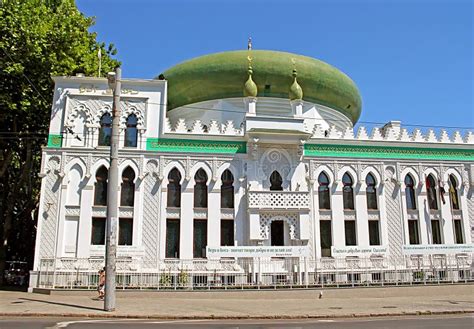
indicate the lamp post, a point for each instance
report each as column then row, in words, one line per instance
column 114, row 80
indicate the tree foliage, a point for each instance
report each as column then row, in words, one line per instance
column 38, row 39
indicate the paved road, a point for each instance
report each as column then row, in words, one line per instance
column 433, row 322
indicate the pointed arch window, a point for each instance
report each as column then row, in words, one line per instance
column 348, row 192
column 453, row 193
column 105, row 131
column 323, row 191
column 276, row 181
column 371, row 192
column 174, row 189
column 127, row 191
column 131, row 132
column 200, row 189
column 431, row 192
column 227, row 190
column 410, row 192
column 100, row 187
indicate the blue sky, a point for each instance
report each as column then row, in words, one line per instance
column 411, row 60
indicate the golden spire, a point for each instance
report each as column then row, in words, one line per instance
column 296, row 93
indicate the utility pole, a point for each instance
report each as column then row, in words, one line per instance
column 112, row 195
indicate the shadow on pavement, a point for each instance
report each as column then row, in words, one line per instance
column 14, row 288
column 62, row 304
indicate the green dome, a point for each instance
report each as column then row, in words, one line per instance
column 222, row 75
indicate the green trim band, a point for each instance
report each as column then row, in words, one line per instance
column 387, row 152
column 55, row 141
column 194, row 146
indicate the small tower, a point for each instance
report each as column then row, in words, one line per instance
column 296, row 94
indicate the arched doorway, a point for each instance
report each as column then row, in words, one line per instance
column 277, row 233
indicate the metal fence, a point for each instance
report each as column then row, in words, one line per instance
column 249, row 273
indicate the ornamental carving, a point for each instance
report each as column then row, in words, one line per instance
column 267, row 218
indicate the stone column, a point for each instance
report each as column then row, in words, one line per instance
column 240, row 213
column 214, row 215
column 362, row 216
column 337, row 207
column 163, row 218
column 446, row 222
column 59, row 250
column 424, row 214
column 186, row 240
column 85, row 221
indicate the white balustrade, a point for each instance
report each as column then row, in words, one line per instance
column 278, row 200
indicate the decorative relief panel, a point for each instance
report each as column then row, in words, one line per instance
column 227, row 213
column 349, row 215
column 99, row 211
column 173, row 212
column 435, row 215
column 325, row 215
column 373, row 215
column 200, row 213
column 49, row 216
column 73, row 211
column 394, row 225
column 413, row 214
column 151, row 210
column 267, row 218
column 126, row 212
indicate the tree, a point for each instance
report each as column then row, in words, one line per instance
column 39, row 39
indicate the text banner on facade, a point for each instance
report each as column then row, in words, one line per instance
column 257, row 251
column 358, row 251
column 429, row 249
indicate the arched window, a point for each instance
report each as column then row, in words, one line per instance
column 410, row 192
column 276, row 181
column 105, row 131
column 371, row 192
column 131, row 131
column 431, row 192
column 174, row 189
column 227, row 190
column 200, row 189
column 127, row 191
column 100, row 188
column 347, row 192
column 323, row 191
column 453, row 193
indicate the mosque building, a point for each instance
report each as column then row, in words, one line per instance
column 244, row 168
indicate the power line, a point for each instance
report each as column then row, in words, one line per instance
column 26, row 77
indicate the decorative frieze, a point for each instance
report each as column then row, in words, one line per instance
column 388, row 152
column 173, row 212
column 200, row 213
column 195, row 146
column 73, row 211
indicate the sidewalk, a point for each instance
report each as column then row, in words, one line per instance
column 247, row 304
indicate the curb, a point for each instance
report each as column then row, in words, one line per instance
column 231, row 317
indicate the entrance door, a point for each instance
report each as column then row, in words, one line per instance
column 277, row 233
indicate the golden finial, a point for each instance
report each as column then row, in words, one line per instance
column 296, row 93
column 249, row 44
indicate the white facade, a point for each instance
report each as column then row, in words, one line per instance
column 254, row 138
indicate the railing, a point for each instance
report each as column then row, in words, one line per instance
column 246, row 273
column 278, row 200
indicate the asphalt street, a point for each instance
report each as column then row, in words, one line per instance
column 417, row 322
